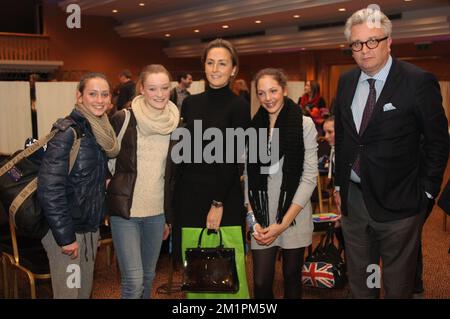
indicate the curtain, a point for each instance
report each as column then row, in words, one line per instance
column 54, row 100
column 15, row 122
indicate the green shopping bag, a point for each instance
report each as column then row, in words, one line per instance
column 231, row 238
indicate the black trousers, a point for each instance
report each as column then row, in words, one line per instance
column 367, row 241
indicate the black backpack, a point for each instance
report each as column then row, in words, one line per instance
column 18, row 183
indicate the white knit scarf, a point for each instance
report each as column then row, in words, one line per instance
column 153, row 121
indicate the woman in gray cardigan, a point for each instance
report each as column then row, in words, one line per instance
column 279, row 207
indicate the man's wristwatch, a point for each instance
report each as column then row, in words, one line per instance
column 216, row 204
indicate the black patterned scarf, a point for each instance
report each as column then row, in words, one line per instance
column 291, row 147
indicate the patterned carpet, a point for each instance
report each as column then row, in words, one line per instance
column 436, row 276
column 436, row 271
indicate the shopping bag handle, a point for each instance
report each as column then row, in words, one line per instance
column 199, row 244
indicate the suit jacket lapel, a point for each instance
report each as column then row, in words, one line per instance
column 351, row 89
column 389, row 89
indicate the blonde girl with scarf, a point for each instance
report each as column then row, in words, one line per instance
column 74, row 202
column 136, row 193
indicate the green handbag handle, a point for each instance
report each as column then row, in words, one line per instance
column 199, row 244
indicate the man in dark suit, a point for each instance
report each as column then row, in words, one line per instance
column 382, row 109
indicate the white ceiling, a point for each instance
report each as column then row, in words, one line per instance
column 417, row 20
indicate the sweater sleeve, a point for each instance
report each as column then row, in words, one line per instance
column 308, row 181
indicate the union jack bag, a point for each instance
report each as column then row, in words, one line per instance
column 324, row 268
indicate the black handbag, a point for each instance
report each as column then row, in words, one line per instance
column 210, row 269
column 324, row 267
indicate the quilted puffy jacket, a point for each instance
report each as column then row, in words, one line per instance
column 72, row 203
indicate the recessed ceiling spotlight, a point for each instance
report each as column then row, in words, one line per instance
column 115, row 11
column 342, row 9
column 167, row 35
column 407, row 0
column 296, row 16
column 141, row 4
column 258, row 21
column 196, row 30
column 225, row 26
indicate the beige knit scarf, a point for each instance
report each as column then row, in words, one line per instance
column 102, row 129
column 153, row 121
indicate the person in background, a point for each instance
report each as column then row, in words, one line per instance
column 386, row 112
column 313, row 104
column 33, row 79
column 240, row 88
column 74, row 204
column 328, row 128
column 279, row 203
column 126, row 90
column 180, row 92
column 137, row 193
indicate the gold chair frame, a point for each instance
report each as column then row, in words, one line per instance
column 14, row 265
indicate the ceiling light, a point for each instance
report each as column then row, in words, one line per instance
column 342, row 9
column 141, row 4
column 225, row 26
column 258, row 21
column 341, row 45
column 407, row 0
column 296, row 16
column 115, row 11
column 167, row 35
column 196, row 30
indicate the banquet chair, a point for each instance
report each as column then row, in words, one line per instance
column 26, row 255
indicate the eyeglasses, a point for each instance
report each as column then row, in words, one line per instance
column 371, row 44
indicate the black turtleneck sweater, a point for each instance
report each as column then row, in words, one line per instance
column 200, row 183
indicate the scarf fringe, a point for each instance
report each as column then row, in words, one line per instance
column 290, row 123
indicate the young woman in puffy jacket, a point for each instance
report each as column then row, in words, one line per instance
column 74, row 203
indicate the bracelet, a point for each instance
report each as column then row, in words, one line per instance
column 251, row 221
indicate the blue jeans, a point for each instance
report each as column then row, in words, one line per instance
column 137, row 242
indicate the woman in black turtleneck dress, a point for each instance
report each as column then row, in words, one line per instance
column 210, row 195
